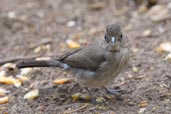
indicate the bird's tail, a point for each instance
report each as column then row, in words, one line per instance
column 41, row 63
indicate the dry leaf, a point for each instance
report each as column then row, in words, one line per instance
column 4, row 100
column 32, row 94
column 62, row 80
column 72, row 44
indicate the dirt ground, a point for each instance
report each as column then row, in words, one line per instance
column 26, row 23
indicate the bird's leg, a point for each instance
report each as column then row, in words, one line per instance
column 93, row 100
column 113, row 91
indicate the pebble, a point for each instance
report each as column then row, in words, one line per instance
column 71, row 23
column 158, row 13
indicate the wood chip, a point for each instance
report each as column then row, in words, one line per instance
column 3, row 92
column 164, row 47
column 4, row 100
column 143, row 104
column 7, row 80
column 72, row 44
column 140, row 77
column 31, row 94
column 23, row 78
column 62, row 80
column 17, row 83
column 25, row 71
column 97, row 5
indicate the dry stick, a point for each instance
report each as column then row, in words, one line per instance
column 43, row 42
column 76, row 109
column 14, row 59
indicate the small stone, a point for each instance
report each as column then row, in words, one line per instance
column 161, row 29
column 85, row 97
column 164, row 47
column 142, row 9
column 100, row 100
column 169, row 5
column 70, row 23
column 76, row 96
column 158, row 13
column 147, row 33
column 142, row 110
column 135, row 50
column 129, row 76
column 11, row 15
column 135, row 69
column 168, row 57
column 25, row 71
column 152, row 68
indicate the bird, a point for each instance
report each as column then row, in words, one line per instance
column 94, row 65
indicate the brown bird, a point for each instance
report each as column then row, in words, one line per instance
column 95, row 65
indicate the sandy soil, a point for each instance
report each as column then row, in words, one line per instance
column 25, row 23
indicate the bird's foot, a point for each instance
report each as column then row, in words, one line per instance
column 114, row 91
column 93, row 100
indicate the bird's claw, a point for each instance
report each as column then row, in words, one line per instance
column 114, row 91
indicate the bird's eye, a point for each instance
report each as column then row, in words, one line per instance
column 121, row 35
column 105, row 38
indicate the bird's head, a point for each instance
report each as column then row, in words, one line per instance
column 114, row 39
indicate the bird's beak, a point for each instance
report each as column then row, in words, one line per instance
column 113, row 40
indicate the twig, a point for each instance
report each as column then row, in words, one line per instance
column 42, row 42
column 76, row 109
column 14, row 59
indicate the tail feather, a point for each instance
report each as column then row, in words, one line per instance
column 41, row 63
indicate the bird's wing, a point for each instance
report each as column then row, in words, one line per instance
column 90, row 57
